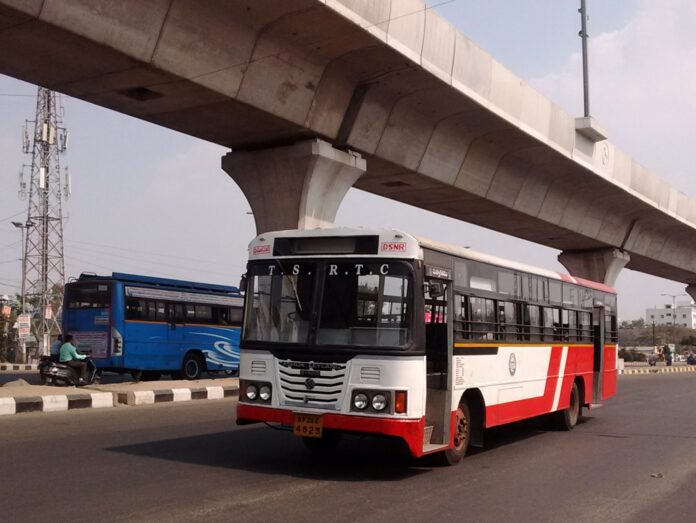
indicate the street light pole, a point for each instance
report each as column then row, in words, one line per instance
column 585, row 59
column 24, row 227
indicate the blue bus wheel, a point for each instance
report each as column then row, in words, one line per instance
column 193, row 366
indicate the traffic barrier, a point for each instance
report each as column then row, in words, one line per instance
column 56, row 402
column 148, row 397
column 14, row 367
column 658, row 370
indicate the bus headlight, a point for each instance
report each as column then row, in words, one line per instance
column 265, row 392
column 360, row 401
column 379, row 402
column 251, row 392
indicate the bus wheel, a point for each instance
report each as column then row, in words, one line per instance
column 566, row 419
column 327, row 443
column 462, row 434
column 193, row 366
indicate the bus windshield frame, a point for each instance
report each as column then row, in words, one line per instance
column 365, row 303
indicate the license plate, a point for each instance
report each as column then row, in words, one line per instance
column 307, row 425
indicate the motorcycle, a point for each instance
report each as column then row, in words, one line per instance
column 61, row 375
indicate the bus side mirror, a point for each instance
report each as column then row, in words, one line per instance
column 243, row 283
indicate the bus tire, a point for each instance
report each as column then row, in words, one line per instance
column 193, row 366
column 324, row 445
column 566, row 419
column 462, row 435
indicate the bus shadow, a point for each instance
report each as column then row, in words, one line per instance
column 503, row 435
column 266, row 451
column 278, row 452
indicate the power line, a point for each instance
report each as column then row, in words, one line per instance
column 150, row 253
column 10, row 217
column 150, row 262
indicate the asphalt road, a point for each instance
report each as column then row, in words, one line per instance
column 632, row 460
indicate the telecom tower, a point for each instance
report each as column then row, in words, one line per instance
column 43, row 268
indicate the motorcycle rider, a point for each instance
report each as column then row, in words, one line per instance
column 69, row 356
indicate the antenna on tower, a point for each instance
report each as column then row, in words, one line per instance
column 43, row 266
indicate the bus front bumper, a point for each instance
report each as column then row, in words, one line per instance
column 409, row 430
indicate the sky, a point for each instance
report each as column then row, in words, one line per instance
column 149, row 200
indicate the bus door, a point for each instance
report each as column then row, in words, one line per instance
column 176, row 332
column 438, row 355
column 598, row 327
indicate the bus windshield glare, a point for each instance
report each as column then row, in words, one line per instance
column 363, row 303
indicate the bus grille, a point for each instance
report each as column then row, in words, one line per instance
column 311, row 383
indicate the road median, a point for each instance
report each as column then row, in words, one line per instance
column 20, row 397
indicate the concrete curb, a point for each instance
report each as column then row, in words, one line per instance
column 56, row 403
column 14, row 367
column 148, row 397
column 658, row 370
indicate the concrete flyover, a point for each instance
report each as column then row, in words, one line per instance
column 438, row 122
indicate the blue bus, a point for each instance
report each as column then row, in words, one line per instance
column 150, row 326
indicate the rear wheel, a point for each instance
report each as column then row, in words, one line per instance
column 462, row 434
column 566, row 419
column 193, row 366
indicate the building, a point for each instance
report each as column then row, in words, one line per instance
column 683, row 316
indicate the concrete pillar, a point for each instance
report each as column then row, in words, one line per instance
column 298, row 186
column 602, row 265
column 691, row 291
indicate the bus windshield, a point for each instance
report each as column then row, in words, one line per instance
column 363, row 303
column 88, row 295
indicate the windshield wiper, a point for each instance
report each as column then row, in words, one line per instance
column 294, row 287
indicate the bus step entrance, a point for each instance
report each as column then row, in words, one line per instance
column 427, row 434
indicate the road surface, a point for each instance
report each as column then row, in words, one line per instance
column 632, row 460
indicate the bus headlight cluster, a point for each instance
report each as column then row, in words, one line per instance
column 373, row 401
column 255, row 391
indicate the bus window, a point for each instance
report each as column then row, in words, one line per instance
column 190, row 313
column 509, row 321
column 584, row 326
column 482, row 314
column 151, row 311
column 136, row 309
column 161, row 311
column 555, row 292
column 572, row 325
column 204, row 313
column 532, row 319
column 461, row 326
column 548, row 323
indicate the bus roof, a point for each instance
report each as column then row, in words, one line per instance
column 163, row 282
column 390, row 241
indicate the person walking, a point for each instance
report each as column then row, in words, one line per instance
column 70, row 357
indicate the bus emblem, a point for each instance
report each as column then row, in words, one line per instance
column 309, row 383
column 512, row 364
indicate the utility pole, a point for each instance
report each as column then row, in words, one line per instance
column 43, row 266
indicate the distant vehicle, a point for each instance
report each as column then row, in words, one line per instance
column 149, row 326
column 691, row 359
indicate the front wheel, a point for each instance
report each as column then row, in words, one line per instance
column 193, row 367
column 566, row 419
column 462, row 434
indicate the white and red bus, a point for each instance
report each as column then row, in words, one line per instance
column 380, row 332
